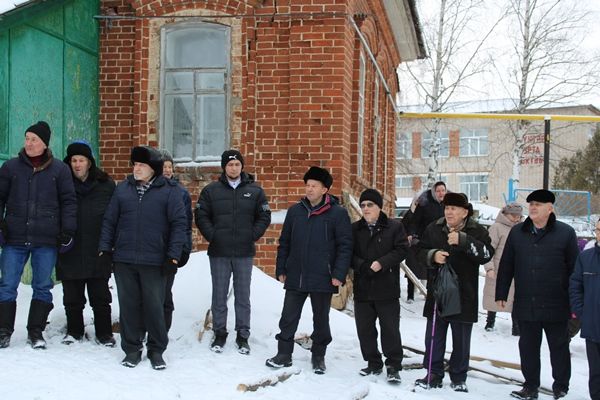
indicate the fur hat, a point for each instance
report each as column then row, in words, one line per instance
column 541, row 196
column 513, row 208
column 80, row 148
column 166, row 155
column 229, row 155
column 319, row 174
column 150, row 156
column 372, row 195
column 458, row 200
column 42, row 130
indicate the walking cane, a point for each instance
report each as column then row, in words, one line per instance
column 431, row 343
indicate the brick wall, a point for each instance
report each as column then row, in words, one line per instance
column 294, row 87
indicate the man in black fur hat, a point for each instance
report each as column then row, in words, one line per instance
column 81, row 267
column 143, row 234
column 313, row 257
column 458, row 240
column 540, row 255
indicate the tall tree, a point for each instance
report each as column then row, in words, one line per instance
column 455, row 35
column 582, row 170
column 547, row 66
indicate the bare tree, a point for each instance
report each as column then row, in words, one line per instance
column 547, row 66
column 455, row 40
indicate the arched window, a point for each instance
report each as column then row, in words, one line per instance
column 195, row 67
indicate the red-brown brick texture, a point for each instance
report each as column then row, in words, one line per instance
column 295, row 73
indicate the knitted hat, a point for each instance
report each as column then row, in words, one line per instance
column 42, row 130
column 319, row 174
column 513, row 208
column 229, row 155
column 372, row 195
column 80, row 148
column 541, row 196
column 148, row 155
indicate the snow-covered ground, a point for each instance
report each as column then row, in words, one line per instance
column 88, row 371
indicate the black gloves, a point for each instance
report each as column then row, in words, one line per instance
column 169, row 267
column 105, row 260
column 185, row 256
column 3, row 231
column 64, row 242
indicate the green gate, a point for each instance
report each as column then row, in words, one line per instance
column 49, row 71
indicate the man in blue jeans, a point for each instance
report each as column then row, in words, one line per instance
column 38, row 210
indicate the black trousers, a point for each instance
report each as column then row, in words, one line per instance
column 593, row 356
column 530, row 342
column 410, row 289
column 74, row 301
column 169, row 306
column 388, row 313
column 141, row 292
column 290, row 317
column 461, row 348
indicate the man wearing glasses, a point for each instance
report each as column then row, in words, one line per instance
column 380, row 245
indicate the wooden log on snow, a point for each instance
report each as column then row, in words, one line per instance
column 266, row 382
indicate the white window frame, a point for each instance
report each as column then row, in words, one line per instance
column 405, row 180
column 166, row 138
column 479, row 180
column 404, row 146
column 473, row 142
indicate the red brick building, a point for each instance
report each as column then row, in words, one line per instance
column 290, row 83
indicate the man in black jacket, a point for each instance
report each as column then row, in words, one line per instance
column 380, row 245
column 461, row 242
column 37, row 219
column 143, row 233
column 80, row 267
column 313, row 257
column 540, row 255
column 232, row 214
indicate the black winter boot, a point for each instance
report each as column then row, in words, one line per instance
column 218, row 342
column 36, row 323
column 75, row 327
column 8, row 311
column 102, row 321
column 490, row 322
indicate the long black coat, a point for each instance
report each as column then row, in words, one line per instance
column 93, row 196
column 540, row 265
column 37, row 203
column 232, row 219
column 315, row 246
column 146, row 231
column 474, row 249
column 388, row 245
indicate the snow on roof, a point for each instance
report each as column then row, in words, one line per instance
column 9, row 5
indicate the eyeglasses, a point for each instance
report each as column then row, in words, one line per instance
column 367, row 204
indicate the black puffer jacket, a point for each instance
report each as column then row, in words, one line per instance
column 37, row 203
column 541, row 265
column 388, row 245
column 146, row 231
column 232, row 219
column 315, row 246
column 474, row 249
column 93, row 196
